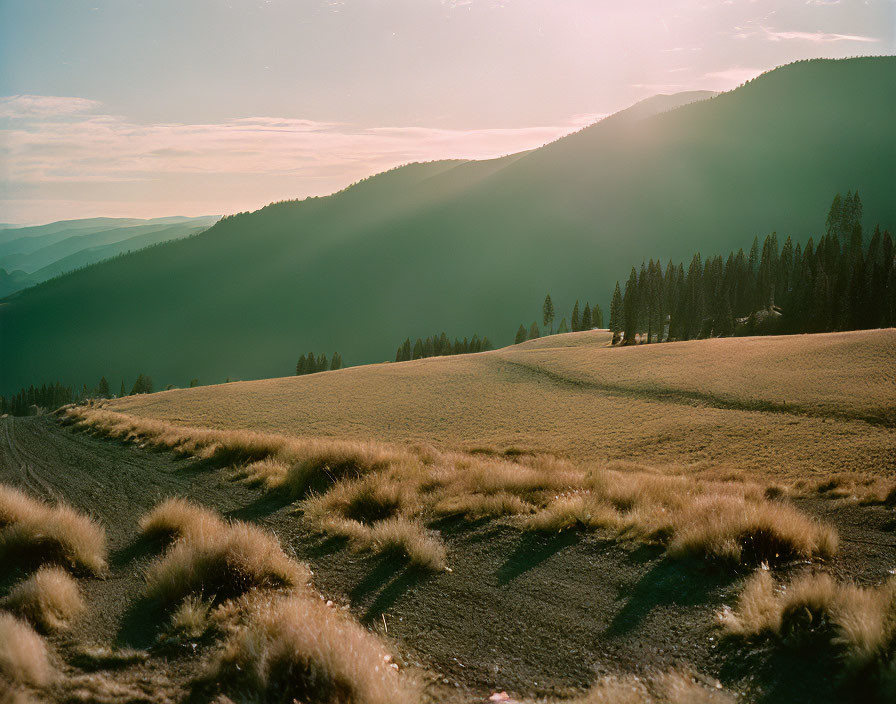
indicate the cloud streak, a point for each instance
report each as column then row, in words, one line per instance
column 57, row 140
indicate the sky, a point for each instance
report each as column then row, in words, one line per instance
column 193, row 107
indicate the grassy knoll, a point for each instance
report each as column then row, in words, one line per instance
column 790, row 409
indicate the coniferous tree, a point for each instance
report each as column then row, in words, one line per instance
column 564, row 328
column 617, row 314
column 547, row 313
column 597, row 317
column 301, row 366
column 103, row 388
column 520, row 335
column 122, row 393
column 586, row 318
column 575, row 320
column 336, row 361
column 534, row 332
column 630, row 305
column 418, row 349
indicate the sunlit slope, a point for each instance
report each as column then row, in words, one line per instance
column 471, row 247
column 798, row 406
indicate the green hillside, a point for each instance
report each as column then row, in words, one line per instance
column 470, row 247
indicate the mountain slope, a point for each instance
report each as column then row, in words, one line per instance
column 470, row 247
column 45, row 251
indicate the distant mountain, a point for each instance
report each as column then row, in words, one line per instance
column 471, row 247
column 45, row 251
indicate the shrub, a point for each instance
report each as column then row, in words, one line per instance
column 49, row 599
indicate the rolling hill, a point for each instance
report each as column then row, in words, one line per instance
column 688, row 405
column 470, row 247
column 31, row 255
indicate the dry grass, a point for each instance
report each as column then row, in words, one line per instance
column 24, row 660
column 34, row 531
column 49, row 599
column 685, row 403
column 674, row 686
column 859, row 623
column 215, row 558
column 101, row 657
column 190, row 620
column 380, row 498
column 295, row 648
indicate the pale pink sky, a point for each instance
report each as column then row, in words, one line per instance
column 142, row 109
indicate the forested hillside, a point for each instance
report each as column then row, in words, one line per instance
column 471, row 245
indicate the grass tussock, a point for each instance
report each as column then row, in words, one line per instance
column 214, row 557
column 190, row 619
column 295, row 648
column 676, row 686
column 24, row 660
column 100, row 657
column 49, row 599
column 34, row 531
column 382, row 498
column 858, row 624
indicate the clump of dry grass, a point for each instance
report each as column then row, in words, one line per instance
column 101, row 657
column 215, row 557
column 35, row 531
column 49, row 599
column 178, row 518
column 357, row 488
column 295, row 648
column 676, row 686
column 721, row 520
column 859, row 623
column 191, row 618
column 24, row 660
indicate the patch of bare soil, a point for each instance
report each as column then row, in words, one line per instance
column 534, row 615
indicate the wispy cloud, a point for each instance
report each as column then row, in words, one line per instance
column 815, row 37
column 55, row 140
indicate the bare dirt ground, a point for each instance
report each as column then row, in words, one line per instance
column 531, row 615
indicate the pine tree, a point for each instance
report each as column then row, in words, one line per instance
column 630, row 304
column 563, row 329
column 547, row 313
column 301, row 366
column 575, row 321
column 336, row 361
column 586, row 318
column 534, row 332
column 617, row 314
column 103, row 389
column 597, row 317
column 418, row 349
column 835, row 215
column 520, row 335
column 122, row 393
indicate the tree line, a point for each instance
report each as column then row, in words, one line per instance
column 439, row 346
column 588, row 319
column 309, row 364
column 55, row 395
column 840, row 283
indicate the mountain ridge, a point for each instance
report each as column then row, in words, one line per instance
column 471, row 247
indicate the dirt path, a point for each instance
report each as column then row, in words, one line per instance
column 532, row 615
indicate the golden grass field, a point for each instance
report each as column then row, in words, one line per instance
column 783, row 408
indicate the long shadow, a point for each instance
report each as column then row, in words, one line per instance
column 140, row 547
column 263, row 506
column 389, row 580
column 139, row 627
column 534, row 549
column 680, row 582
column 810, row 673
